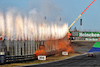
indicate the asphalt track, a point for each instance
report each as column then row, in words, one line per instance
column 78, row 61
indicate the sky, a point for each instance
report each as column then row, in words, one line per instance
column 68, row 10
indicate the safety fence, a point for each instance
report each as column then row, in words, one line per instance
column 11, row 59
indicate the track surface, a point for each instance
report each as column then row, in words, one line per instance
column 79, row 61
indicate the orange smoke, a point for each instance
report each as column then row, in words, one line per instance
column 55, row 46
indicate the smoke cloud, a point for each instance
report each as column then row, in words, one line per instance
column 31, row 27
column 34, row 25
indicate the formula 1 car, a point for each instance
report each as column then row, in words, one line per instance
column 91, row 54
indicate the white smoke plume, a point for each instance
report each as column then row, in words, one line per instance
column 2, row 25
column 29, row 27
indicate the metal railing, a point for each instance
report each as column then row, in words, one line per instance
column 11, row 59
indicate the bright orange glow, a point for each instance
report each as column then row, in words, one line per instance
column 55, row 46
column 40, row 51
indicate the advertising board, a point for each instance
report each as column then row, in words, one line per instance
column 91, row 39
column 89, row 34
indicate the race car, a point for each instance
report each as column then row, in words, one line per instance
column 91, row 54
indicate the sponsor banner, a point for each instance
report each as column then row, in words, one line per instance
column 89, row 34
column 41, row 57
column 64, row 53
column 92, row 39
